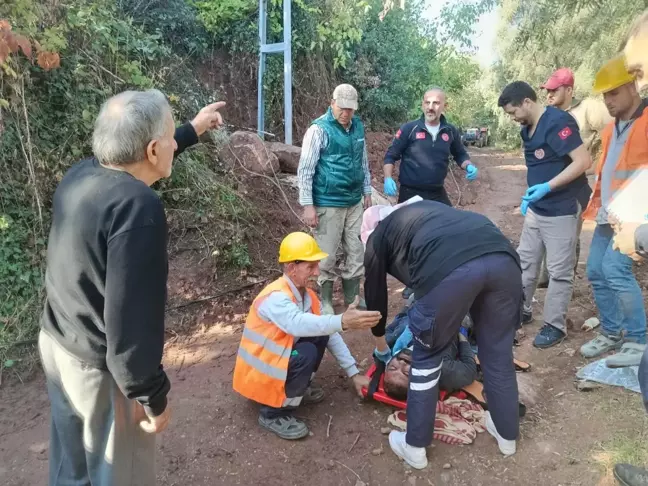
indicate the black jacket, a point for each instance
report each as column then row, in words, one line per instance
column 107, row 274
column 421, row 244
column 424, row 161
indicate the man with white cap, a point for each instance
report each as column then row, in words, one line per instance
column 334, row 188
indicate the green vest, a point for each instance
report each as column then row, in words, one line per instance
column 339, row 178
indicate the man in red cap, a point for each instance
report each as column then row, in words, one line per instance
column 590, row 113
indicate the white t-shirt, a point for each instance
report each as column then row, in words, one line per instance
column 433, row 130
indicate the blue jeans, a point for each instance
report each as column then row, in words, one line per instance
column 616, row 291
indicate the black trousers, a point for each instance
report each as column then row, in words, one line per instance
column 305, row 360
column 433, row 193
column 490, row 288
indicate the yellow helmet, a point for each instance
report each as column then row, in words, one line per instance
column 613, row 74
column 300, row 246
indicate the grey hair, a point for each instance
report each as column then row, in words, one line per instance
column 126, row 124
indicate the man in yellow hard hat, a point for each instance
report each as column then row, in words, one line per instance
column 616, row 291
column 632, row 239
column 285, row 337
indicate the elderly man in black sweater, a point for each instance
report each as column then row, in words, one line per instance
column 102, row 332
column 457, row 262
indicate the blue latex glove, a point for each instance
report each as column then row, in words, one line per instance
column 403, row 341
column 390, row 187
column 471, row 172
column 537, row 192
column 523, row 207
column 463, row 331
column 384, row 356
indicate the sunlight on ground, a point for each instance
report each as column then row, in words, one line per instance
column 517, row 167
column 620, row 449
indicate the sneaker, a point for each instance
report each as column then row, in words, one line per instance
column 630, row 355
column 548, row 336
column 506, row 447
column 313, row 394
column 629, row 475
column 288, row 428
column 600, row 345
column 414, row 456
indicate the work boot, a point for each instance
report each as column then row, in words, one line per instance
column 326, row 296
column 630, row 355
column 351, row 288
column 629, row 475
column 548, row 336
column 506, row 447
column 414, row 456
column 313, row 394
column 601, row 344
column 287, row 427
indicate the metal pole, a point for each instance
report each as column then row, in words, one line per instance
column 287, row 39
column 262, row 65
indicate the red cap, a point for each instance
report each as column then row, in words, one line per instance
column 560, row 77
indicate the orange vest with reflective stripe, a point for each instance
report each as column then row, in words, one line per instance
column 262, row 360
column 633, row 158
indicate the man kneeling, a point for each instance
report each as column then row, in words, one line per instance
column 285, row 338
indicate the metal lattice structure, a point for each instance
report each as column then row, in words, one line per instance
column 284, row 47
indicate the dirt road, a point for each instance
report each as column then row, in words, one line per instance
column 567, row 438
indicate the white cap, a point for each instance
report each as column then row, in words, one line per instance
column 346, row 96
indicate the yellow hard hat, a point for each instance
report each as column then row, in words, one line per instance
column 613, row 74
column 300, row 246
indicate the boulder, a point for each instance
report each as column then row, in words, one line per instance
column 245, row 150
column 288, row 156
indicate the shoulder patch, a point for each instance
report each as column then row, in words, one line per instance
column 565, row 133
column 398, row 133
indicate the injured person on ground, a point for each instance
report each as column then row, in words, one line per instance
column 459, row 368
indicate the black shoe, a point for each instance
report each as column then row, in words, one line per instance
column 629, row 475
column 527, row 317
column 407, row 292
column 543, row 285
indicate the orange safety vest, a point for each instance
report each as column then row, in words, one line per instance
column 633, row 158
column 262, row 361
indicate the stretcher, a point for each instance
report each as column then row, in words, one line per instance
column 475, row 391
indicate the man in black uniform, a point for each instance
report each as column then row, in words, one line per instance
column 424, row 147
column 456, row 262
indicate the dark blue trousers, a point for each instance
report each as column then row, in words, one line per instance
column 643, row 378
column 305, row 359
column 490, row 288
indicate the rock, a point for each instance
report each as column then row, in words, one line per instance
column 376, row 452
column 385, row 430
column 245, row 152
column 310, row 434
column 288, row 156
column 586, row 386
column 569, row 352
column 447, row 466
column 445, row 478
column 39, row 448
column 360, row 483
column 412, row 480
column 590, row 324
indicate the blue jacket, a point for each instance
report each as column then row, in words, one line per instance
column 424, row 161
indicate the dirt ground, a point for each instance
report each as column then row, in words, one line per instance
column 567, row 437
